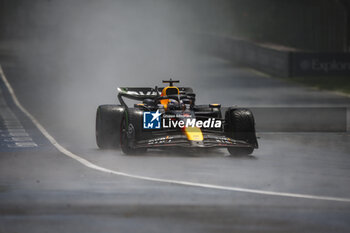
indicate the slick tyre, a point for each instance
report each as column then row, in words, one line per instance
column 240, row 125
column 108, row 120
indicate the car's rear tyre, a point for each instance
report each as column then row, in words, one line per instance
column 108, row 120
column 240, row 125
column 129, row 131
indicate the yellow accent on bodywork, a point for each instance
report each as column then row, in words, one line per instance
column 169, row 87
column 165, row 103
column 194, row 134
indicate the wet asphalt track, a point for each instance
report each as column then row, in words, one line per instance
column 42, row 190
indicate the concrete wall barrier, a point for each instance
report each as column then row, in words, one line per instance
column 277, row 60
column 300, row 119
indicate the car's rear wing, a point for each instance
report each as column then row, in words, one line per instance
column 148, row 91
column 138, row 92
column 141, row 93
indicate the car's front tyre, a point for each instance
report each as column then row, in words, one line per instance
column 129, row 130
column 240, row 125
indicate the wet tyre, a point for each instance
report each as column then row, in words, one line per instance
column 240, row 125
column 130, row 130
column 108, row 121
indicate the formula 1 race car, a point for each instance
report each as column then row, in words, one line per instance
column 169, row 118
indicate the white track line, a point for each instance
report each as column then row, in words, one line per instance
column 177, row 182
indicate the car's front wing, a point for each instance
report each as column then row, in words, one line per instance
column 209, row 140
